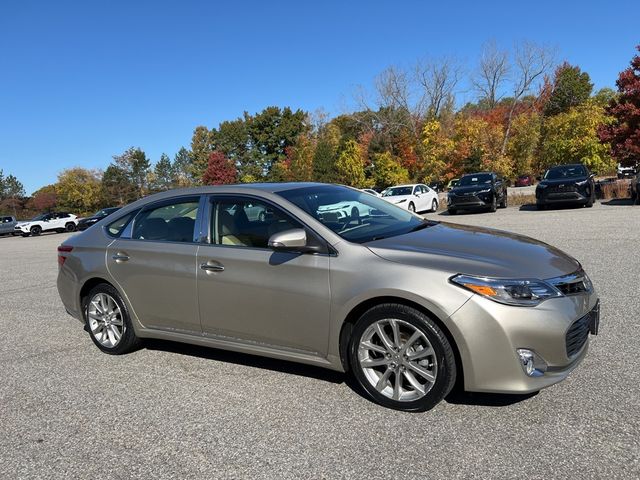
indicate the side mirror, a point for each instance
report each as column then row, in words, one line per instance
column 294, row 240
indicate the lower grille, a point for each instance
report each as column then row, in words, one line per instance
column 577, row 335
column 565, row 189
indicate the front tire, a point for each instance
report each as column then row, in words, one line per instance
column 494, row 205
column 412, row 207
column 452, row 211
column 434, row 205
column 36, row 230
column 401, row 358
column 108, row 321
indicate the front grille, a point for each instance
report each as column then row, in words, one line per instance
column 563, row 189
column 577, row 334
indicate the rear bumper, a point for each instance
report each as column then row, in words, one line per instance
column 491, row 334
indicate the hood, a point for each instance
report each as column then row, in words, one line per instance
column 397, row 198
column 476, row 251
column 564, row 181
column 22, row 224
column 471, row 189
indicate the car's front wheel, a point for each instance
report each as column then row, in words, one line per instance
column 401, row 358
column 434, row 205
column 108, row 320
column 412, row 207
column 35, row 230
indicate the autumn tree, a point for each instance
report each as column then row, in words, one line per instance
column 437, row 149
column 388, row 171
column 220, row 170
column 79, row 190
column 326, row 153
column 623, row 133
column 524, row 141
column 350, row 165
column 571, row 87
column 299, row 158
column 201, row 148
column 45, row 199
column 491, row 73
column 571, row 137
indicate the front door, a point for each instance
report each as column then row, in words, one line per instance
column 249, row 292
column 156, row 266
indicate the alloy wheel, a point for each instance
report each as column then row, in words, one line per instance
column 105, row 320
column 398, row 360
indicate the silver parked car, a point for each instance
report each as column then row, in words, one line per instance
column 407, row 306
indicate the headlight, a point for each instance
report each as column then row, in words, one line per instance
column 402, row 201
column 519, row 292
column 582, row 183
column 486, row 190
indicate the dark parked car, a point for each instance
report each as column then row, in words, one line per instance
column 566, row 185
column 484, row 190
column 437, row 186
column 635, row 189
column 524, row 181
column 96, row 217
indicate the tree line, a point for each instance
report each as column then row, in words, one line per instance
column 528, row 114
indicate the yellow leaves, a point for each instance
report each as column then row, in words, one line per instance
column 79, row 190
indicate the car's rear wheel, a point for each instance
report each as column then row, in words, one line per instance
column 70, row 227
column 35, row 230
column 108, row 320
column 434, row 205
column 540, row 206
column 401, row 358
column 452, row 211
column 412, row 207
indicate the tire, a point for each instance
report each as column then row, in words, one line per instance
column 503, row 203
column 25, row 235
column 494, row 205
column 119, row 320
column 434, row 205
column 394, row 380
column 355, row 215
column 452, row 211
column 412, row 207
column 35, row 230
column 70, row 227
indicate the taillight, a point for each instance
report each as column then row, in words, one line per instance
column 62, row 249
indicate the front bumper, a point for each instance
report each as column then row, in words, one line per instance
column 489, row 334
column 21, row 229
column 471, row 200
column 553, row 196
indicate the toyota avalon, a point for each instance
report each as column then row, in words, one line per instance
column 406, row 306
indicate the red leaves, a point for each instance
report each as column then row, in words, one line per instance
column 220, row 170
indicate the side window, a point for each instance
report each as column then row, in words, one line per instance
column 116, row 228
column 245, row 222
column 6, row 220
column 174, row 222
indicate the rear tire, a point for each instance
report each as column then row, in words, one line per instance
column 105, row 314
column 70, row 227
column 394, row 373
column 452, row 211
column 540, row 206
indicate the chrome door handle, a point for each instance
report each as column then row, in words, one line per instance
column 208, row 267
column 120, row 257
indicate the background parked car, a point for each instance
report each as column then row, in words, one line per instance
column 56, row 221
column 437, row 186
column 86, row 222
column 626, row 172
column 452, row 183
column 524, row 181
column 371, row 191
column 478, row 191
column 415, row 198
column 566, row 185
column 7, row 225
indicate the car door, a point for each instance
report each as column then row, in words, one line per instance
column 6, row 225
column 154, row 263
column 249, row 292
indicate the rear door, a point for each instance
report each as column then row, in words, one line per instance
column 154, row 262
column 249, row 292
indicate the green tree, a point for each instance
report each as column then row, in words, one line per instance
column 388, row 171
column 325, row 156
column 350, row 166
column 117, row 188
column 79, row 190
column 201, row 148
column 571, row 87
column 524, row 141
column 571, row 137
column 164, row 177
column 182, row 168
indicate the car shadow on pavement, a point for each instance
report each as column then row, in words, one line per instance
column 246, row 360
column 459, row 397
column 615, row 202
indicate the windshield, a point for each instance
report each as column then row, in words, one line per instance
column 479, row 179
column 397, row 191
column 39, row 217
column 356, row 216
column 571, row 171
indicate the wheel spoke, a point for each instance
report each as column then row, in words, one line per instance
column 384, row 337
column 375, row 362
column 116, row 333
column 396, row 386
column 425, row 352
column 382, row 382
column 414, row 382
column 396, row 333
column 412, row 339
column 116, row 321
column 423, row 372
column 374, row 347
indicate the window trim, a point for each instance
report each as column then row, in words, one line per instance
column 212, row 198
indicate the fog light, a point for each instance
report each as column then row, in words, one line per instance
column 532, row 363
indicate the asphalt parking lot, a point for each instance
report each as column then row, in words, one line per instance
column 168, row 410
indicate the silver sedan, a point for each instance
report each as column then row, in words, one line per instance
column 408, row 307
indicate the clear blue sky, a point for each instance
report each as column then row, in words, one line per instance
column 82, row 81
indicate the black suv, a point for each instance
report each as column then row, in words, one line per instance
column 483, row 190
column 85, row 223
column 566, row 185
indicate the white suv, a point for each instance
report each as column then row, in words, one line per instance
column 57, row 221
